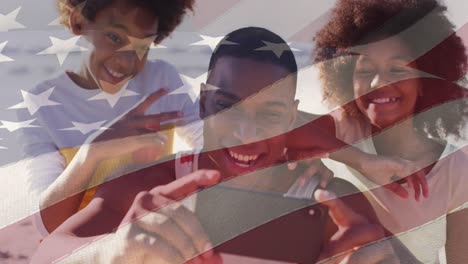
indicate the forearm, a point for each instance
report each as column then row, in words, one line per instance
column 350, row 156
column 63, row 197
column 61, row 246
column 457, row 237
column 316, row 135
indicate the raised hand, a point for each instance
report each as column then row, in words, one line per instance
column 136, row 133
column 357, row 240
column 393, row 172
column 135, row 122
column 312, row 167
column 159, row 229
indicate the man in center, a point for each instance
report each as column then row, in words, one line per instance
column 247, row 106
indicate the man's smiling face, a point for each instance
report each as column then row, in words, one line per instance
column 248, row 113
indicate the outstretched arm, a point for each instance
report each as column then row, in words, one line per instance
column 315, row 137
column 150, row 226
column 132, row 137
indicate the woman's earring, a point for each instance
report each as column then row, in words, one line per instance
column 285, row 150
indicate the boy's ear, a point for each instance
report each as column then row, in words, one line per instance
column 202, row 101
column 77, row 21
column 294, row 113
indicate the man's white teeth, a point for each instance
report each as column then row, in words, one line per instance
column 384, row 100
column 115, row 74
column 242, row 165
column 244, row 158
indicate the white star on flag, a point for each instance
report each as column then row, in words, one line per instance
column 112, row 99
column 192, row 86
column 34, row 102
column 86, row 128
column 157, row 46
column 13, row 126
column 212, row 42
column 62, row 47
column 4, row 58
column 140, row 46
column 2, row 147
column 8, row 22
column 277, row 48
column 55, row 22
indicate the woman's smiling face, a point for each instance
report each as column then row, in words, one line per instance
column 386, row 87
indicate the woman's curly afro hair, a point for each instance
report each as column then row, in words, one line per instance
column 358, row 22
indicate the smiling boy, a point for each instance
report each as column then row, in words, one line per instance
column 121, row 33
column 115, row 68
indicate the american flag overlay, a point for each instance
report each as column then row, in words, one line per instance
column 233, row 131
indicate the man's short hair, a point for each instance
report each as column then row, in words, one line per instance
column 245, row 43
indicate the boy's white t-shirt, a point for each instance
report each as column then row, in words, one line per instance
column 421, row 226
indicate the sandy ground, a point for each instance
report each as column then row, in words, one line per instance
column 18, row 236
column 18, row 242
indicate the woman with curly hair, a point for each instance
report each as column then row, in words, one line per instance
column 391, row 68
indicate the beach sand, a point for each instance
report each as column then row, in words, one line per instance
column 18, row 242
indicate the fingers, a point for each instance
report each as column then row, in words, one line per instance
column 186, row 120
column 140, row 146
column 326, row 175
column 171, row 223
column 340, row 213
column 292, row 165
column 311, row 171
column 162, row 199
column 410, row 183
column 153, row 122
column 143, row 106
column 212, row 259
column 317, row 169
column 144, row 148
column 423, row 181
column 381, row 252
column 350, row 238
column 397, row 189
column 166, row 228
column 189, row 184
column 189, row 223
column 314, row 167
column 417, row 189
column 414, row 177
column 154, row 248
